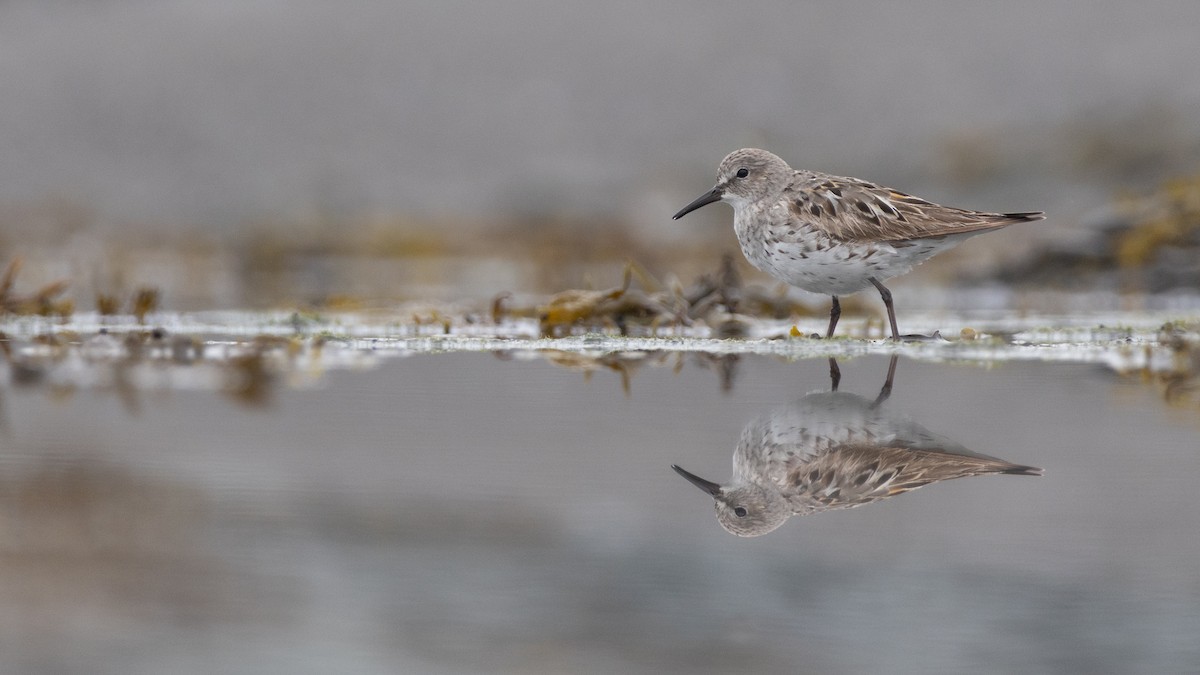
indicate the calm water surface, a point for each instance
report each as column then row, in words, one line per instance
column 475, row 513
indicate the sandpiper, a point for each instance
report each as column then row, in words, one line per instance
column 832, row 450
column 832, row 234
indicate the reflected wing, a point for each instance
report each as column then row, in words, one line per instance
column 860, row 473
column 849, row 209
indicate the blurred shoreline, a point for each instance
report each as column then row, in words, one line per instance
column 1138, row 245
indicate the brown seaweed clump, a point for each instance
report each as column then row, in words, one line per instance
column 45, row 301
column 718, row 300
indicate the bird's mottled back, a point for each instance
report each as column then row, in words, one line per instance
column 850, row 209
column 853, row 210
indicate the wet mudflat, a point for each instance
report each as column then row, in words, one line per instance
column 316, row 499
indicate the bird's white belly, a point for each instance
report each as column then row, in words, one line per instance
column 816, row 263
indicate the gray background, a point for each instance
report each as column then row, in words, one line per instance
column 214, row 113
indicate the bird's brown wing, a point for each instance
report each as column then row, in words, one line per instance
column 851, row 210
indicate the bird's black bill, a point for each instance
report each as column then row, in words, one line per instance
column 708, row 486
column 705, row 199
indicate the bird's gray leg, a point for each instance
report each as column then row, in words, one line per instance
column 835, row 373
column 886, row 390
column 835, row 313
column 887, row 302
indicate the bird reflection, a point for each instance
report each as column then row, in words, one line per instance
column 833, row 450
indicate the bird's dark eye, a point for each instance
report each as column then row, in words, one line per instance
column 743, row 172
column 740, row 512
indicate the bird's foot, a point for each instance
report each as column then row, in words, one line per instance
column 917, row 337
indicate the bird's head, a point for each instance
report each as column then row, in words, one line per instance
column 745, row 176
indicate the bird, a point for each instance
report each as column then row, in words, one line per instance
column 833, row 450
column 836, row 235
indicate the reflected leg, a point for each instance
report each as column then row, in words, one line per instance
column 886, row 390
column 835, row 373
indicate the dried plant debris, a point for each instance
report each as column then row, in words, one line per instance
column 107, row 305
column 145, row 300
column 716, row 300
column 716, row 304
column 45, row 301
column 614, row 310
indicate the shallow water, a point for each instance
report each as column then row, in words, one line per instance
column 378, row 505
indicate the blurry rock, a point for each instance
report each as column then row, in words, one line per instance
column 1149, row 243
